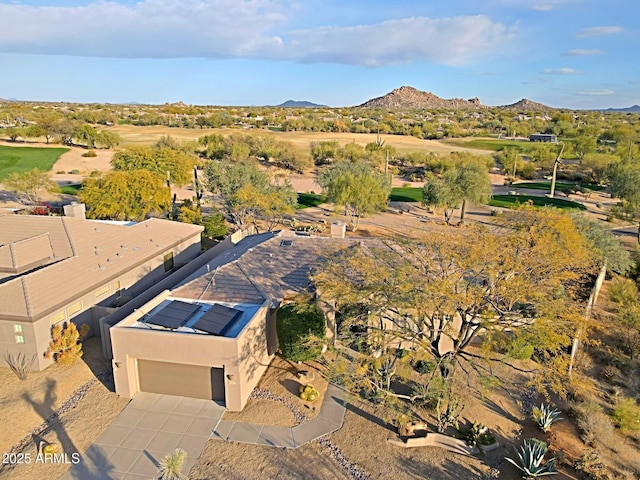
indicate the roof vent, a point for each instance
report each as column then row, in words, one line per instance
column 286, row 243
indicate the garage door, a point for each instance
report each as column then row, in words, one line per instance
column 179, row 379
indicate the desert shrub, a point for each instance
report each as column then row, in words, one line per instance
column 593, row 423
column 19, row 364
column 90, row 154
column 65, row 346
column 75, row 171
column 215, row 226
column 609, row 373
column 297, row 324
column 591, row 466
column 626, row 415
column 623, row 290
column 478, row 435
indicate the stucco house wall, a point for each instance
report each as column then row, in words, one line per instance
column 243, row 358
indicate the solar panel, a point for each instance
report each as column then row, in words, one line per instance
column 173, row 315
column 216, row 320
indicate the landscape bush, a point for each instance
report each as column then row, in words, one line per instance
column 298, row 324
column 65, row 346
column 626, row 416
column 594, row 425
column 90, row 153
column 19, row 364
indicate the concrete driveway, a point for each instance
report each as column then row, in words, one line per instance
column 149, row 428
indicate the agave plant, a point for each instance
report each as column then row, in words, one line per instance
column 531, row 457
column 545, row 416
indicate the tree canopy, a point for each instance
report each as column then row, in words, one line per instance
column 158, row 160
column 27, row 185
column 247, row 192
column 466, row 182
column 357, row 187
column 516, row 291
column 125, row 195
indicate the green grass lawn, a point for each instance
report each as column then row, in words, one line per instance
column 22, row 159
column 559, row 186
column 494, row 145
column 405, row 194
column 510, row 201
column 306, row 200
column 70, row 189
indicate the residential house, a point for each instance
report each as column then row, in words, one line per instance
column 214, row 335
column 61, row 269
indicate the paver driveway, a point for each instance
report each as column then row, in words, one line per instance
column 149, row 428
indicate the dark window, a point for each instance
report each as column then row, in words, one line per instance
column 168, row 262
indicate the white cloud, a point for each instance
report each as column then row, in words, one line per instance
column 596, row 93
column 582, row 52
column 150, row 28
column 239, row 28
column 596, row 31
column 560, row 71
column 451, row 41
column 543, row 8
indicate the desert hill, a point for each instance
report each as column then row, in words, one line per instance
column 409, row 97
column 526, row 105
column 299, row 104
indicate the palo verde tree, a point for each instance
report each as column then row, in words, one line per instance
column 515, row 290
column 247, row 192
column 357, row 187
column 624, row 182
column 27, row 185
column 465, row 182
column 125, row 195
column 158, row 160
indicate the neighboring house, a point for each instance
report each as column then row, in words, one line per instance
column 59, row 269
column 543, row 137
column 214, row 335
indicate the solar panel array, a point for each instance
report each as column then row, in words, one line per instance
column 216, row 320
column 173, row 315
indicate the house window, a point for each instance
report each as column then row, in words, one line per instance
column 168, row 262
column 19, row 338
column 58, row 317
column 103, row 291
column 17, row 328
column 73, row 309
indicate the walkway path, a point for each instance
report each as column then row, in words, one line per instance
column 150, row 427
column 328, row 420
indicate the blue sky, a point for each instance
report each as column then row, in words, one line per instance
column 564, row 53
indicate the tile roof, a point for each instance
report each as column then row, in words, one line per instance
column 259, row 268
column 68, row 257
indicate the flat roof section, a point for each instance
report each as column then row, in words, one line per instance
column 174, row 315
column 216, row 320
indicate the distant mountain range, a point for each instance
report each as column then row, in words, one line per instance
column 412, row 98
column 634, row 109
column 299, row 104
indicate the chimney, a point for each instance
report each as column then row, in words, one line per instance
column 75, row 210
column 338, row 230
